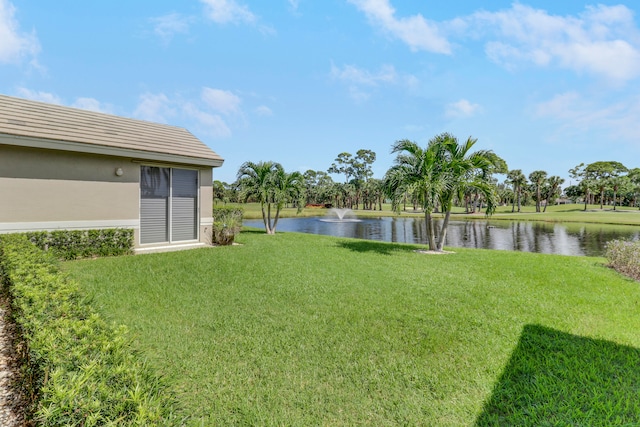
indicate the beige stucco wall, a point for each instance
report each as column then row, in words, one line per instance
column 50, row 189
column 40, row 186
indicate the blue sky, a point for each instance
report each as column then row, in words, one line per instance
column 544, row 84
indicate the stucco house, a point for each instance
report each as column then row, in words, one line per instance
column 65, row 168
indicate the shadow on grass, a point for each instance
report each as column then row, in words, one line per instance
column 555, row 378
column 384, row 248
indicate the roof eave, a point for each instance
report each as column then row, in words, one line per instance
column 25, row 141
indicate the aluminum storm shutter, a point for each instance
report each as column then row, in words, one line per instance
column 154, row 204
column 184, row 205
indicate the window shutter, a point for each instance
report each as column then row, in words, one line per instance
column 168, row 202
column 184, row 205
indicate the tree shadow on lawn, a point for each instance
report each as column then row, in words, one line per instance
column 384, row 248
column 555, row 378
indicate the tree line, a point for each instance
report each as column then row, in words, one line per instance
column 444, row 174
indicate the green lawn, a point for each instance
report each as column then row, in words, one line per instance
column 298, row 329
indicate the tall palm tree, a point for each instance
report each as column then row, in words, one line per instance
column 538, row 179
column 519, row 181
column 461, row 168
column 415, row 172
column 269, row 184
column 437, row 175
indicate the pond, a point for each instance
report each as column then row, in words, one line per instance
column 551, row 238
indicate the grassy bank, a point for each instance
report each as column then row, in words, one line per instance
column 559, row 213
column 298, row 329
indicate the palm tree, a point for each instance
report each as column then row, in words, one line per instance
column 538, row 179
column 438, row 174
column 415, row 172
column 634, row 177
column 461, row 168
column 519, row 181
column 218, row 192
column 269, row 184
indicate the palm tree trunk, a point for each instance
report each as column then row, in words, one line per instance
column 430, row 230
column 268, row 223
column 275, row 221
column 586, row 200
column 443, row 230
column 265, row 220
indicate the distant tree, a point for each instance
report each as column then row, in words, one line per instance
column 586, row 184
column 318, row 187
column 615, row 183
column 218, row 192
column 601, row 172
column 519, row 181
column 634, row 179
column 552, row 190
column 361, row 164
column 343, row 165
column 356, row 170
column 574, row 192
column 538, row 179
column 372, row 194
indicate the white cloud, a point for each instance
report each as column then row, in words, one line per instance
column 294, row 4
column 416, row 31
column 359, row 76
column 228, row 11
column 92, row 104
column 169, row 25
column 603, row 40
column 82, row 103
column 34, row 95
column 201, row 115
column 358, row 95
column 577, row 114
column 462, row 108
column 264, row 111
column 155, row 108
column 222, row 101
column 211, row 124
column 361, row 81
column 14, row 44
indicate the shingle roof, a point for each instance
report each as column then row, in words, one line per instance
column 81, row 128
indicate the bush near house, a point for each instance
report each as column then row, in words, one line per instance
column 624, row 257
column 78, row 369
column 73, row 244
column 227, row 222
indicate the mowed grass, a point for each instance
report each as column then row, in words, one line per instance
column 297, row 329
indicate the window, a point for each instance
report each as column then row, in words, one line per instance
column 168, row 204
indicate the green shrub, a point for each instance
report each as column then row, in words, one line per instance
column 79, row 370
column 624, row 257
column 227, row 222
column 73, row 244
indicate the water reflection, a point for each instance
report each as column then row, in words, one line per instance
column 552, row 238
